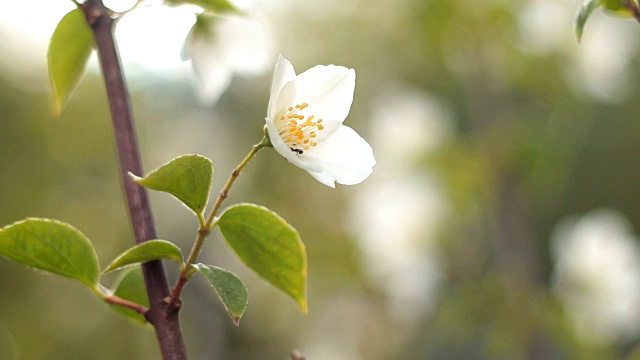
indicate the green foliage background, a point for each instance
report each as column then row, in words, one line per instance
column 530, row 146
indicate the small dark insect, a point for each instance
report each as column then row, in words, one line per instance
column 297, row 151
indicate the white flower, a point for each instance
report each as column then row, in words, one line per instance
column 304, row 121
column 597, row 275
column 220, row 47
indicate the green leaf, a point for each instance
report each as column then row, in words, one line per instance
column 147, row 251
column 269, row 245
column 130, row 286
column 69, row 50
column 587, row 8
column 614, row 5
column 229, row 287
column 187, row 177
column 622, row 8
column 217, row 6
column 51, row 246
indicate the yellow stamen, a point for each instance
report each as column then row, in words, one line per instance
column 298, row 130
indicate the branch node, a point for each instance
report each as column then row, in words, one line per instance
column 176, row 304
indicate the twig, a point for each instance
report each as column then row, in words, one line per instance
column 113, row 299
column 166, row 323
column 206, row 228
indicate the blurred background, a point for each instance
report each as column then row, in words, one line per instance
column 501, row 220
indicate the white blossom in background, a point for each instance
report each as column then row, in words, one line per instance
column 544, row 25
column 304, row 121
column 603, row 59
column 393, row 221
column 597, row 275
column 407, row 124
column 395, row 215
column 599, row 65
column 150, row 39
column 223, row 46
column 25, row 40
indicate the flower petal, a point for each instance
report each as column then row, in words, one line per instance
column 327, row 89
column 344, row 157
column 207, row 58
column 219, row 46
column 283, row 73
column 326, row 179
column 214, row 76
column 247, row 44
column 218, row 80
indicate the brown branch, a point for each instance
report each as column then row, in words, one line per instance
column 166, row 323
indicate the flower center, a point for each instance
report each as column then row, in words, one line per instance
column 298, row 130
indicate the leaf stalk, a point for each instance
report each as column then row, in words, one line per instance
column 209, row 224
